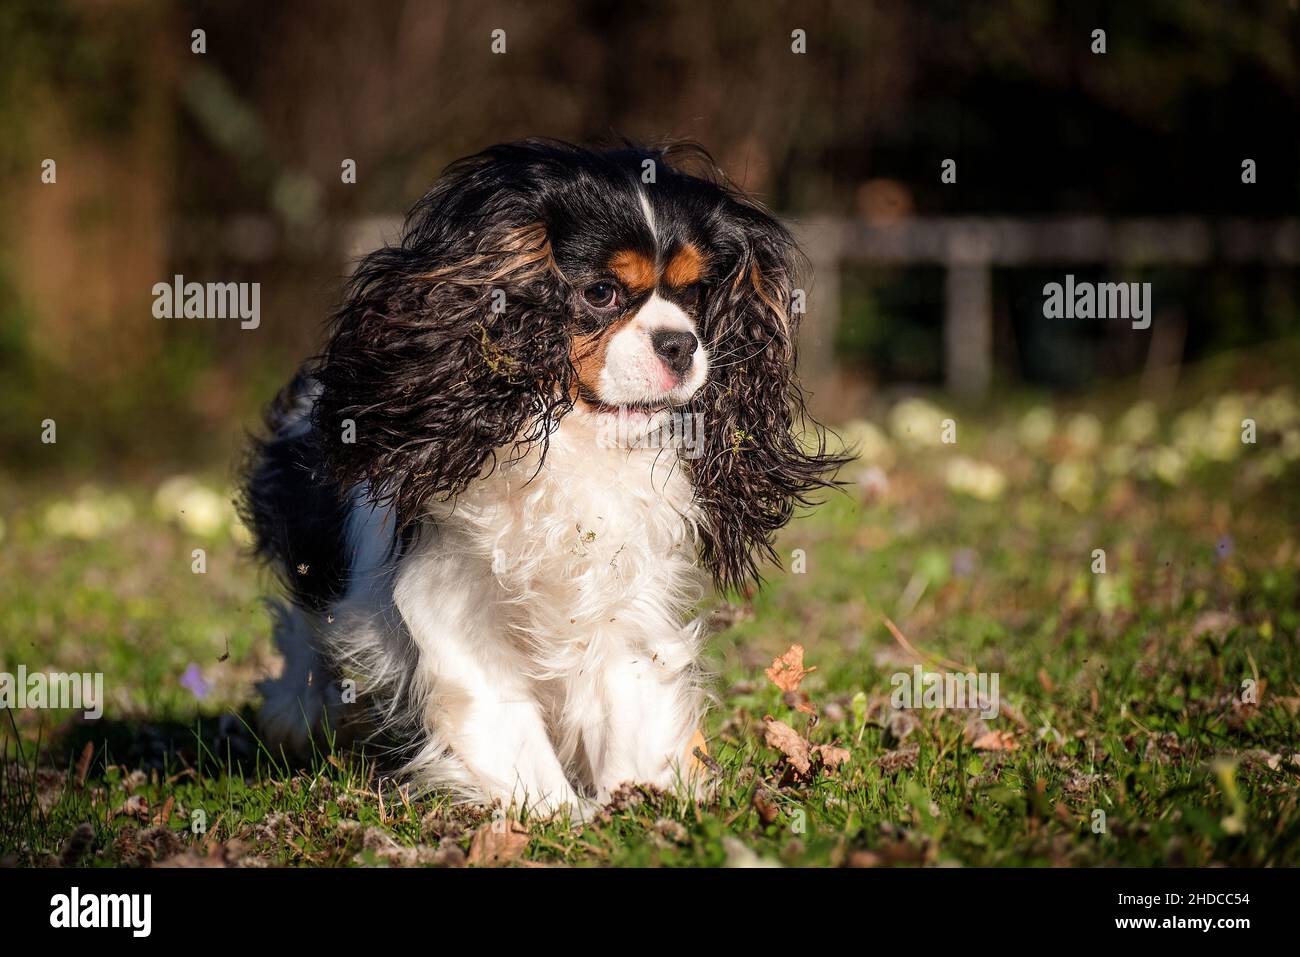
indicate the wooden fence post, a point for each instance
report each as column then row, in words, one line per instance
column 968, row 329
column 822, row 240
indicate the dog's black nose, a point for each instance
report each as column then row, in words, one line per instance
column 675, row 347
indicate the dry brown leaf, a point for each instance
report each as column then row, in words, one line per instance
column 789, row 742
column 698, row 744
column 1046, row 681
column 83, row 764
column 767, row 811
column 832, row 757
column 996, row 741
column 788, row 671
column 164, row 816
column 135, row 806
column 497, row 843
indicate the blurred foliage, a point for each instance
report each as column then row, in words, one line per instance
column 892, row 323
column 239, row 151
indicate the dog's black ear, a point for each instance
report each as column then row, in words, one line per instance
column 449, row 346
column 762, row 453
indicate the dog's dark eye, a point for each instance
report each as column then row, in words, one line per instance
column 691, row 294
column 601, row 296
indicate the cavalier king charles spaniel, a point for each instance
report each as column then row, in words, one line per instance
column 541, row 424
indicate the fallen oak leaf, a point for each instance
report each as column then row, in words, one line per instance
column 496, row 843
column 996, row 741
column 787, row 671
column 832, row 757
column 779, row 735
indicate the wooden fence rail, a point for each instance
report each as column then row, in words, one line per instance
column 969, row 248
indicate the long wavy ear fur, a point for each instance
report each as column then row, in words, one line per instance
column 763, row 454
column 449, row 346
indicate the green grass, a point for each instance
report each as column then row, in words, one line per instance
column 1124, row 690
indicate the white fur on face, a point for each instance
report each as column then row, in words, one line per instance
column 634, row 375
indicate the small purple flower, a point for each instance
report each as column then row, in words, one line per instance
column 194, row 681
column 1224, row 547
column 963, row 562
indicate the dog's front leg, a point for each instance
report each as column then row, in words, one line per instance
column 486, row 736
column 652, row 708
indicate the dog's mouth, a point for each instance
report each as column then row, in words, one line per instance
column 594, row 404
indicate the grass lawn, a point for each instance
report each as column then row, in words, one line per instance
column 1148, row 713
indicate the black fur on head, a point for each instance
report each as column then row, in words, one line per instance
column 434, row 377
column 456, row 345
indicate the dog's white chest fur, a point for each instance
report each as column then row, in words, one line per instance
column 598, row 542
column 537, row 636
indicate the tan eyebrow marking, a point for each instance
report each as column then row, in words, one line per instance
column 686, row 267
column 634, row 270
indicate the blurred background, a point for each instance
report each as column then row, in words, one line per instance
column 225, row 165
